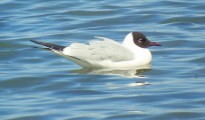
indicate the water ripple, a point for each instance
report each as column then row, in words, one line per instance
column 36, row 84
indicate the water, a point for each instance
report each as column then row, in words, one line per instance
column 38, row 85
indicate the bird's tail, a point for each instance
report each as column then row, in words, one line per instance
column 49, row 45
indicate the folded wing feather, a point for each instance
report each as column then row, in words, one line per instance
column 99, row 50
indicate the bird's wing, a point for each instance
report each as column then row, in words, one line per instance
column 99, row 50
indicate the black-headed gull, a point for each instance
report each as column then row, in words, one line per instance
column 107, row 53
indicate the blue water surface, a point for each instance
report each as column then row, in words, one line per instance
column 36, row 84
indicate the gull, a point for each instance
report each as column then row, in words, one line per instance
column 106, row 53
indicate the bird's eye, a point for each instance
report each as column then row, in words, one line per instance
column 141, row 40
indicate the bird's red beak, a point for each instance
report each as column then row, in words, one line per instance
column 154, row 44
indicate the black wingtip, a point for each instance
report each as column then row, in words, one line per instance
column 37, row 42
column 34, row 41
column 49, row 45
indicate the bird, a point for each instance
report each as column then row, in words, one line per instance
column 103, row 52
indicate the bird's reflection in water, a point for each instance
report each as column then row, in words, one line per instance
column 128, row 73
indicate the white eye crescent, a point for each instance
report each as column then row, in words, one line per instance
column 140, row 40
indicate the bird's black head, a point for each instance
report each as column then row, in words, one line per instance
column 141, row 40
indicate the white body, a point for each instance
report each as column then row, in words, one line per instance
column 106, row 53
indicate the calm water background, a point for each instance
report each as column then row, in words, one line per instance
column 38, row 85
